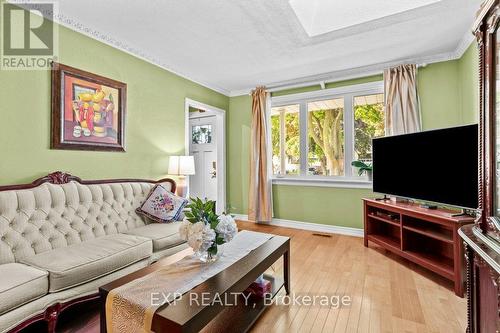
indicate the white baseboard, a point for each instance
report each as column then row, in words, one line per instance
column 332, row 229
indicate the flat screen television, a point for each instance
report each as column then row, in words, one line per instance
column 439, row 166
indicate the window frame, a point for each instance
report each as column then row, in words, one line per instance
column 348, row 93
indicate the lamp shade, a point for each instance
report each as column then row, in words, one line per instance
column 181, row 165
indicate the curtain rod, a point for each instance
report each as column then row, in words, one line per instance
column 323, row 83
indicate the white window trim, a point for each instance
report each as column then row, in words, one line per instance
column 348, row 93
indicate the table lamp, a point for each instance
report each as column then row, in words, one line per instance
column 181, row 166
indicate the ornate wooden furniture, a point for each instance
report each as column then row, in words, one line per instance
column 427, row 237
column 28, row 230
column 482, row 240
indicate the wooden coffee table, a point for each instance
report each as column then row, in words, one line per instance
column 185, row 317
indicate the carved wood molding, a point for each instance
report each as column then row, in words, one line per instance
column 479, row 36
column 495, row 279
column 493, row 20
column 59, row 178
column 478, row 216
column 52, row 312
column 469, row 254
column 480, row 262
column 497, row 283
column 481, row 151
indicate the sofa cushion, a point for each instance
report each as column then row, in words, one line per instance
column 161, row 205
column 163, row 235
column 80, row 263
column 21, row 284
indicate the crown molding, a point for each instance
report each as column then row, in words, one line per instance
column 75, row 25
column 127, row 48
column 358, row 72
column 289, row 84
column 348, row 74
column 307, row 81
column 464, row 44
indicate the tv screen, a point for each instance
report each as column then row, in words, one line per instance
column 438, row 166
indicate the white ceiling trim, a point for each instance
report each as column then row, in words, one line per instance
column 312, row 80
column 464, row 44
column 360, row 72
column 290, row 84
column 74, row 25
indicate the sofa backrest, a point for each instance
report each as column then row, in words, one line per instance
column 52, row 214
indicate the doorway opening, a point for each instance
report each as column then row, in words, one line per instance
column 205, row 139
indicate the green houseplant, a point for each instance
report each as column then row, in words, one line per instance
column 363, row 168
column 205, row 231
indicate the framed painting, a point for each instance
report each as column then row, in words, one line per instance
column 88, row 110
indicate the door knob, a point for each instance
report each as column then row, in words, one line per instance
column 214, row 172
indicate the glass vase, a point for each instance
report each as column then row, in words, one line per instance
column 208, row 257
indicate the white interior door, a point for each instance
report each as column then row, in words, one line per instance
column 203, row 146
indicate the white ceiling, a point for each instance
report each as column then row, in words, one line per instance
column 234, row 45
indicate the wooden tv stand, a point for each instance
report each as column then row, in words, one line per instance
column 427, row 237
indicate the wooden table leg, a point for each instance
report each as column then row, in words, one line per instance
column 286, row 269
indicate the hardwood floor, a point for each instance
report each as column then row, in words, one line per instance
column 388, row 293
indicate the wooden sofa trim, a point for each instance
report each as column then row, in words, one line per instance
column 52, row 312
column 59, row 177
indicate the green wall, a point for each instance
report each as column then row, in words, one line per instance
column 438, row 91
column 448, row 95
column 449, row 91
column 468, row 69
column 155, row 126
column 154, row 120
column 238, row 152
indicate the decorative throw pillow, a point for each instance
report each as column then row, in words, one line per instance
column 161, row 205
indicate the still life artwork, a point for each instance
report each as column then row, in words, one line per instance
column 88, row 110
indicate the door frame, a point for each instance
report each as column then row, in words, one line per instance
column 220, row 116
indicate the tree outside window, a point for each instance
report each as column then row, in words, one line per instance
column 285, row 139
column 326, row 134
column 325, row 129
column 369, row 123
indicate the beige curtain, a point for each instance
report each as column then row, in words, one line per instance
column 402, row 109
column 259, row 196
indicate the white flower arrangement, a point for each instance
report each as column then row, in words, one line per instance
column 226, row 228
column 201, row 236
column 204, row 230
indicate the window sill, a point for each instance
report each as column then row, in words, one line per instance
column 323, row 182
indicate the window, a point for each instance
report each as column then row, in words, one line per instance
column 316, row 135
column 325, row 132
column 369, row 123
column 202, row 134
column 285, row 139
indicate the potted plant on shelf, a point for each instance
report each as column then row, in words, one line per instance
column 363, row 168
column 205, row 231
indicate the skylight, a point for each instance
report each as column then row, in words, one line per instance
column 322, row 16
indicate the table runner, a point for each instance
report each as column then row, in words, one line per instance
column 129, row 308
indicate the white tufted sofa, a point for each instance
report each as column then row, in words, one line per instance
column 61, row 238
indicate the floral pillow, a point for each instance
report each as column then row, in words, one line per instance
column 161, row 205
